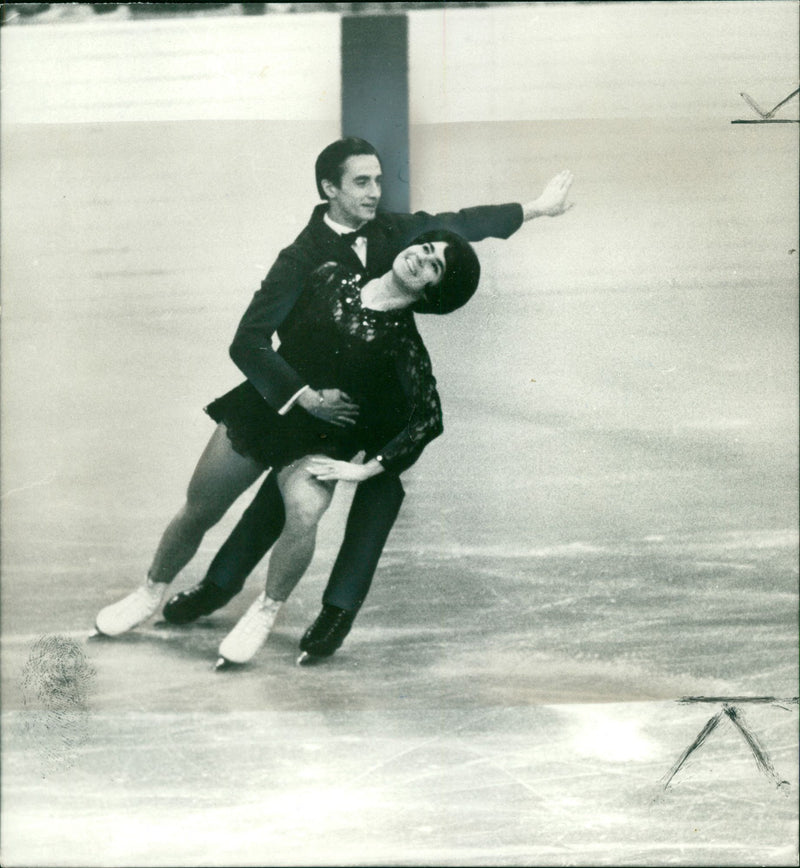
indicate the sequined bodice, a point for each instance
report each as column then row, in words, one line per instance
column 359, row 322
column 377, row 357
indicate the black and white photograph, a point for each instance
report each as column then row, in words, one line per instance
column 399, row 434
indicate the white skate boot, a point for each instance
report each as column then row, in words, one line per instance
column 250, row 633
column 130, row 611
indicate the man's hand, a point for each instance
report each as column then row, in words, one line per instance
column 330, row 405
column 325, row 468
column 553, row 199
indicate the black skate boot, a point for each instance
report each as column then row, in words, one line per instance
column 202, row 599
column 326, row 634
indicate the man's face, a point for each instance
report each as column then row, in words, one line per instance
column 355, row 200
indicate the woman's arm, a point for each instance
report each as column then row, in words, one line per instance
column 415, row 374
column 325, row 468
column 414, row 371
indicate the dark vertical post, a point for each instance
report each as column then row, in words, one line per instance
column 375, row 95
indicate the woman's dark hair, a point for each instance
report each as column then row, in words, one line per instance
column 330, row 163
column 461, row 274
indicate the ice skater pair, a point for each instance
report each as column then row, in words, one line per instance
column 346, row 229
column 363, row 337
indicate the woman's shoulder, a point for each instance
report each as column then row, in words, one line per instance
column 331, row 270
column 326, row 268
column 406, row 338
column 332, row 280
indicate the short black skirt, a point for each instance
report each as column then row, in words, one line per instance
column 257, row 431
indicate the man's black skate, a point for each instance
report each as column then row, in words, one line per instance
column 202, row 599
column 326, row 634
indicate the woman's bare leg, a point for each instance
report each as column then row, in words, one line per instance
column 220, row 476
column 305, row 500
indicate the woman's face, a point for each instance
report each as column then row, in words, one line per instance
column 420, row 266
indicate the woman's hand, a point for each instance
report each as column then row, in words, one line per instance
column 325, row 468
column 330, row 405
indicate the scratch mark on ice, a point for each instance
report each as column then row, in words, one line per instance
column 46, row 481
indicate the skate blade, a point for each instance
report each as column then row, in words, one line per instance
column 225, row 665
column 306, row 659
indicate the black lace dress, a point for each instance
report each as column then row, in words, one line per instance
column 333, row 341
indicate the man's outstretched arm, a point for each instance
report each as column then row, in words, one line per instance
column 490, row 221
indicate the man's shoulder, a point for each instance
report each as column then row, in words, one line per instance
column 311, row 237
column 390, row 218
column 316, row 225
column 316, row 231
column 391, row 223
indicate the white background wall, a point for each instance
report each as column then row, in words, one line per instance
column 601, row 60
column 272, row 67
column 514, row 62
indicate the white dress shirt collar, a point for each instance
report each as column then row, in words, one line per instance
column 359, row 244
column 338, row 228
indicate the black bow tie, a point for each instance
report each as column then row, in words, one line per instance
column 350, row 237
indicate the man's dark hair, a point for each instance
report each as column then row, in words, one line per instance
column 461, row 274
column 330, row 163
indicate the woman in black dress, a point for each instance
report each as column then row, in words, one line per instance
column 361, row 338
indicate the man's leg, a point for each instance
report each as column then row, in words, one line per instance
column 372, row 514
column 258, row 528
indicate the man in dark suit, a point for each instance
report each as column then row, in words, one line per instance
column 347, row 228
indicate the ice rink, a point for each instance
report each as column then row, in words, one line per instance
column 607, row 526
